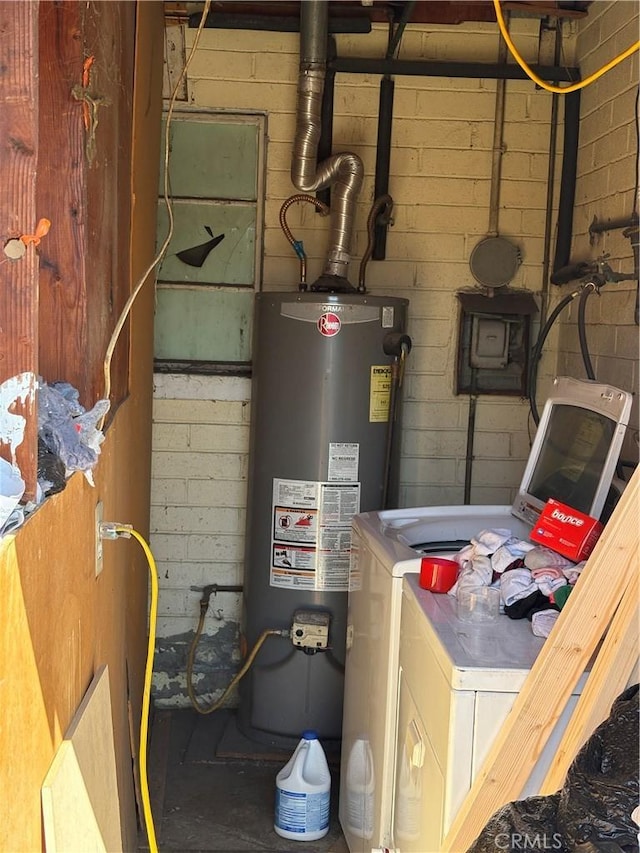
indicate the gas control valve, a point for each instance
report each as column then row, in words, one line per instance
column 310, row 630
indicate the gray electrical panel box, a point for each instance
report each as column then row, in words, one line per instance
column 493, row 342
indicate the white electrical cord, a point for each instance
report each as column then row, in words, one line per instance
column 169, row 205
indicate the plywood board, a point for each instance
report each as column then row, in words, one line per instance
column 80, row 792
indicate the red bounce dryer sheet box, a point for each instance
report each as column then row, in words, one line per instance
column 566, row 530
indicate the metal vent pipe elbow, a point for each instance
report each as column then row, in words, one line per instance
column 343, row 171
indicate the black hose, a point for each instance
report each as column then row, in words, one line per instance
column 582, row 331
column 537, row 350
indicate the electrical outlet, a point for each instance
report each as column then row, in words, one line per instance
column 98, row 538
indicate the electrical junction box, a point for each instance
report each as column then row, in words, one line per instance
column 489, row 342
column 493, row 342
column 310, row 629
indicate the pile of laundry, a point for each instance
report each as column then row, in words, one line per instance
column 534, row 581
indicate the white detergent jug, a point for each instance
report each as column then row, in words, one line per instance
column 303, row 792
column 360, row 789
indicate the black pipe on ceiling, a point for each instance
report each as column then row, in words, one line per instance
column 277, row 23
column 430, row 68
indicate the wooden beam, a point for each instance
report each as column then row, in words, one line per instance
column 19, row 276
column 613, row 667
column 85, row 116
column 556, row 671
column 63, row 296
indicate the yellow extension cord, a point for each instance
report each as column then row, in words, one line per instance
column 560, row 90
column 123, row 530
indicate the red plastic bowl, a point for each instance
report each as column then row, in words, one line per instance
column 438, row 574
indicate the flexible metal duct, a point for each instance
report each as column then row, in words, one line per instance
column 343, row 172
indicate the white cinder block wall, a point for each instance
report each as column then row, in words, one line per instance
column 440, row 182
column 606, row 188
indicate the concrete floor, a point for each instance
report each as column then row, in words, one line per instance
column 212, row 790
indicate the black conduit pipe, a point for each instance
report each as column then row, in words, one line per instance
column 399, row 345
column 471, row 427
column 471, row 70
column 383, row 161
column 551, row 183
column 568, row 179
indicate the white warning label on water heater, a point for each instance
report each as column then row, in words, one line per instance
column 311, row 534
column 343, row 462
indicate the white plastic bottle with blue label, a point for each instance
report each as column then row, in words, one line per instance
column 303, row 792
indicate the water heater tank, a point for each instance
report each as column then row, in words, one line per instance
column 320, row 443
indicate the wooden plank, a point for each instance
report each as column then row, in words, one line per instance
column 608, row 677
column 562, row 661
column 80, row 803
column 19, row 277
column 70, row 825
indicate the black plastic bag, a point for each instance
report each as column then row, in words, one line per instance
column 51, row 470
column 601, row 789
column 592, row 811
column 529, row 824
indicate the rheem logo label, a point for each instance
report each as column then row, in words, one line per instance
column 329, row 324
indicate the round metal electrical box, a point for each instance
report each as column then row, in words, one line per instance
column 320, row 430
column 494, row 261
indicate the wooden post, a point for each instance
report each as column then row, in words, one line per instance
column 19, row 276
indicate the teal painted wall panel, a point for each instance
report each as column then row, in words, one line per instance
column 232, row 261
column 212, row 157
column 203, row 324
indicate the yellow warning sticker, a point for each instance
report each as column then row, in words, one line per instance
column 379, row 393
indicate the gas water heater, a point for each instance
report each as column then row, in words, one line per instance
column 324, row 431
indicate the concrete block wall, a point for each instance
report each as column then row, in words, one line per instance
column 607, row 190
column 199, row 482
column 440, row 181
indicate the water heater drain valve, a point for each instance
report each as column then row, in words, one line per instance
column 310, row 630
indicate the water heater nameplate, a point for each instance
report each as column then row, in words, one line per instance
column 310, row 312
column 379, row 393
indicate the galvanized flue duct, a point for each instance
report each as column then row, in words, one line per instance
column 343, row 172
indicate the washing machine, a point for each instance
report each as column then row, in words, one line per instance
column 385, row 546
column 574, row 453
